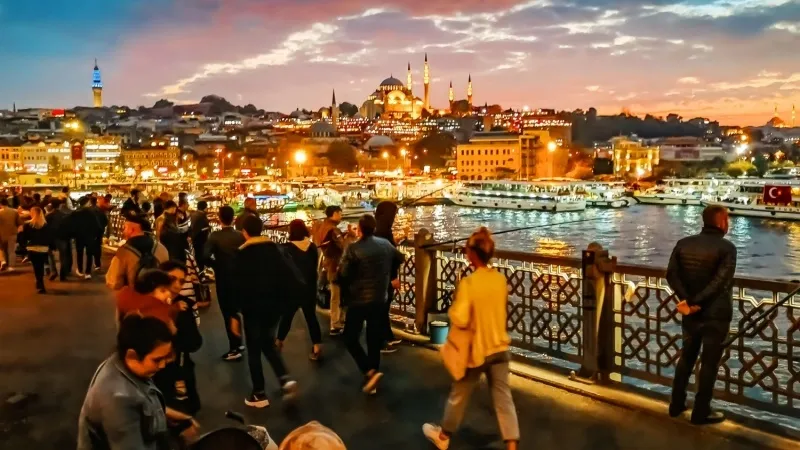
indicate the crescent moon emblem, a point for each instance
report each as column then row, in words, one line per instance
column 770, row 194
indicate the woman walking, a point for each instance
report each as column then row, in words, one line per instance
column 37, row 237
column 480, row 306
column 303, row 254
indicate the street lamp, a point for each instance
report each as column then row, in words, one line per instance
column 403, row 153
column 551, row 146
column 385, row 156
column 300, row 158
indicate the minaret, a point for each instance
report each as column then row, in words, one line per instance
column 97, row 86
column 451, row 95
column 334, row 111
column 408, row 79
column 469, row 91
column 426, row 79
column 776, row 110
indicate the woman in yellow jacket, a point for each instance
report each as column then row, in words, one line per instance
column 481, row 305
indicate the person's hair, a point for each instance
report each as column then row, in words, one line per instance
column 4, row 201
column 169, row 266
column 151, row 279
column 298, row 230
column 312, row 436
column 226, row 215
column 331, row 210
column 712, row 213
column 252, row 225
column 367, row 224
column 93, row 201
column 482, row 244
column 202, row 205
column 183, row 201
column 83, row 200
column 249, row 201
column 182, row 196
column 385, row 213
column 37, row 197
column 146, row 206
column 37, row 217
column 141, row 334
column 170, row 204
column 135, row 192
column 108, row 197
column 55, row 203
column 65, row 189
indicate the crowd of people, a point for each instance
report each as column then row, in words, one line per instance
column 145, row 395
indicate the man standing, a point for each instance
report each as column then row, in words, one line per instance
column 261, row 282
column 701, row 271
column 249, row 210
column 364, row 275
column 200, row 229
column 9, row 226
column 131, row 205
column 97, row 243
column 85, row 227
column 331, row 242
column 222, row 246
column 58, row 220
column 141, row 251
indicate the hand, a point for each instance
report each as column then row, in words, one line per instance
column 183, row 306
column 396, row 283
column 191, row 434
column 685, row 309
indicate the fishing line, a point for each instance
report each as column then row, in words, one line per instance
column 750, row 324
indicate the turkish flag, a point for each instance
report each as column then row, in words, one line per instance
column 77, row 151
column 777, row 195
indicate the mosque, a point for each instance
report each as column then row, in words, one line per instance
column 394, row 99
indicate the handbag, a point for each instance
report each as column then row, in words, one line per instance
column 457, row 349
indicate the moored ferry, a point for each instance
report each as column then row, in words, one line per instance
column 769, row 199
column 687, row 191
column 519, row 195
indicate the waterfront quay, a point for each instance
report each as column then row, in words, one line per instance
column 53, row 343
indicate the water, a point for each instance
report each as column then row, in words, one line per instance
column 640, row 234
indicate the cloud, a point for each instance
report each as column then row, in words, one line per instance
column 689, row 80
column 791, row 27
column 716, row 9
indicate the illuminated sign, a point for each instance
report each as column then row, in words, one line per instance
column 77, row 151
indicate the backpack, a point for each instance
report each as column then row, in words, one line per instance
column 146, row 260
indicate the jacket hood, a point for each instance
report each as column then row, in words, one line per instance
column 255, row 241
column 302, row 245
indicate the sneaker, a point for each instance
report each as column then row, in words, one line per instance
column 87, row 277
column 257, row 400
column 395, row 341
column 3, row 265
column 676, row 410
column 233, row 355
column 98, row 269
column 388, row 349
column 711, row 418
column 79, row 274
column 11, row 269
column 289, row 389
column 371, row 381
column 434, row 434
column 241, row 348
column 335, row 332
column 53, row 276
column 315, row 354
column 42, row 291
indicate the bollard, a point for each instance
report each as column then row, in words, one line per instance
column 424, row 279
column 596, row 270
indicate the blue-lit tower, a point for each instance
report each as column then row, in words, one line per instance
column 97, row 86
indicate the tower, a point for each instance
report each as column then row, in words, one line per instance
column 97, row 86
column 408, row 79
column 469, row 91
column 334, row 111
column 451, row 95
column 426, row 79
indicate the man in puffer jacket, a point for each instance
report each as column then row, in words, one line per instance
column 701, row 271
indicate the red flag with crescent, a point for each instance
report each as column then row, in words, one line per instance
column 777, row 195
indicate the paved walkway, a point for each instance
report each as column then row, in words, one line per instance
column 51, row 345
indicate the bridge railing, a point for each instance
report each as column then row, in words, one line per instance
column 638, row 333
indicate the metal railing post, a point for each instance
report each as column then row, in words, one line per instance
column 424, row 279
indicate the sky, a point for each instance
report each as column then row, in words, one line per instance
column 728, row 60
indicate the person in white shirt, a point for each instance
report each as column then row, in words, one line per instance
column 481, row 306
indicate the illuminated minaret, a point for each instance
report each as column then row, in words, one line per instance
column 334, row 111
column 426, row 79
column 469, row 91
column 452, row 95
column 408, row 79
column 97, row 86
column 776, row 110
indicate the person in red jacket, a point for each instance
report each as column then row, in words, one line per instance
column 150, row 297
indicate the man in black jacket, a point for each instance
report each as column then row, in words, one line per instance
column 97, row 244
column 262, row 279
column 58, row 221
column 364, row 275
column 199, row 231
column 249, row 210
column 222, row 246
column 131, row 204
column 85, row 227
column 701, row 271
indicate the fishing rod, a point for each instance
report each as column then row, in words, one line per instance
column 754, row 321
column 513, row 230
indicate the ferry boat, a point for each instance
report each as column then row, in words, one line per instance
column 607, row 194
column 769, row 199
column 520, row 195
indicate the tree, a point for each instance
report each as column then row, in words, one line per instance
column 434, row 150
column 348, row 109
column 342, row 156
column 163, row 103
column 739, row 168
column 249, row 109
column 761, row 164
column 53, row 165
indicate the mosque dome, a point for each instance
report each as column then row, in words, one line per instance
column 392, row 82
column 776, row 122
column 379, row 141
column 322, row 128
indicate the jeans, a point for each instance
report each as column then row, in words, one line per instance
column 497, row 375
column 8, row 247
column 85, row 246
column 696, row 334
column 64, row 247
column 38, row 261
column 388, row 334
column 227, row 306
column 260, row 338
column 97, row 251
column 374, row 315
column 309, row 308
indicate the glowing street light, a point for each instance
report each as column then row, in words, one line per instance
column 551, row 146
column 403, row 153
column 300, row 157
column 385, row 156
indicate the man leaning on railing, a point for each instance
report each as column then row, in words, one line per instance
column 701, row 271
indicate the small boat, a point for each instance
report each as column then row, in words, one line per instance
column 778, row 200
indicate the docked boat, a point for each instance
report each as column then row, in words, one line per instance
column 779, row 199
column 519, row 195
column 688, row 191
column 607, row 195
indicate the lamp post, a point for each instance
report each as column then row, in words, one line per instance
column 551, row 147
column 403, row 153
column 300, row 158
column 385, row 156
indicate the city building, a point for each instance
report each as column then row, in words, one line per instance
column 101, row 153
column 97, row 87
column 489, row 155
column 687, row 149
column 631, row 157
column 156, row 154
column 10, row 155
column 540, row 155
column 48, row 156
column 392, row 100
column 558, row 126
